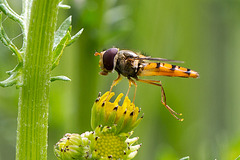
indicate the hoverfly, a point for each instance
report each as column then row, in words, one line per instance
column 132, row 65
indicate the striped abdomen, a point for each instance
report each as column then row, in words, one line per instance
column 165, row 69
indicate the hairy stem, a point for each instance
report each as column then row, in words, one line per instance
column 39, row 25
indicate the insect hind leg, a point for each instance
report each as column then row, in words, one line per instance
column 163, row 96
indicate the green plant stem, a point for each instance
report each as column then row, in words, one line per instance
column 34, row 94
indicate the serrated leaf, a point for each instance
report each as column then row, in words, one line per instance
column 57, row 53
column 7, row 42
column 12, row 80
column 75, row 37
column 7, row 10
column 14, row 77
column 62, row 31
column 9, row 82
column 62, row 78
column 185, row 158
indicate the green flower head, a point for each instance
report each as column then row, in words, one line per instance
column 73, row 146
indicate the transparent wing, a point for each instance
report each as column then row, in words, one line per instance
column 155, row 59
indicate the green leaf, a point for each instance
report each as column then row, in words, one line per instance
column 9, row 82
column 63, row 6
column 62, row 31
column 7, row 42
column 6, row 9
column 62, row 38
column 57, row 53
column 238, row 158
column 62, row 78
column 14, row 78
column 185, row 158
column 75, row 37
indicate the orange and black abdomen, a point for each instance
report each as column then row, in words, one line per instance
column 165, row 69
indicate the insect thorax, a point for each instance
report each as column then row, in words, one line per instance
column 125, row 63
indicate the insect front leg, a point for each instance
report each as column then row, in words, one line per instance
column 163, row 96
column 115, row 82
column 131, row 81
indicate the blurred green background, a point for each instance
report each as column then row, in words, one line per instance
column 203, row 33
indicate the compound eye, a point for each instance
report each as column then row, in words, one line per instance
column 108, row 58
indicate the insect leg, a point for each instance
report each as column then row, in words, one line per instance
column 130, row 84
column 115, row 82
column 131, row 81
column 163, row 96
